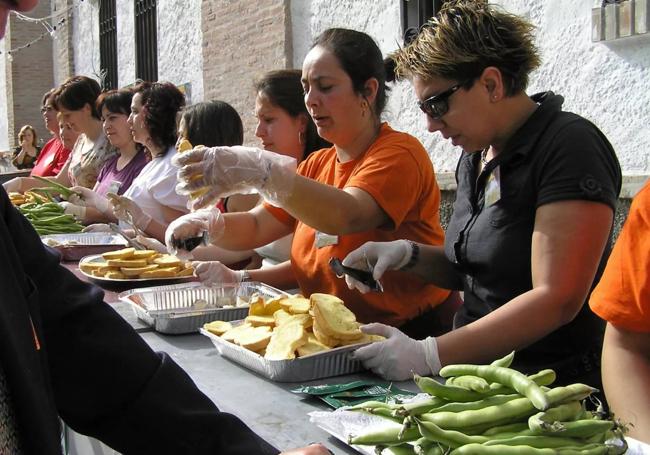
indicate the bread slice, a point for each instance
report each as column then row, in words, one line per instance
column 258, row 321
column 256, row 305
column 322, row 337
column 135, row 271
column 281, row 317
column 127, row 262
column 124, row 253
column 166, row 272
column 312, row 346
column 285, row 340
column 218, row 327
column 143, row 254
column 255, row 338
column 272, row 305
column 88, row 267
column 365, row 338
column 167, row 260
column 334, row 319
column 296, row 305
column 231, row 334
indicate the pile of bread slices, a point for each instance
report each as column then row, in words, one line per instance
column 284, row 328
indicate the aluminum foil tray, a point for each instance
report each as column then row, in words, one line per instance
column 184, row 308
column 323, row 364
column 75, row 246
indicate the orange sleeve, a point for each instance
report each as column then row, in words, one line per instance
column 393, row 176
column 622, row 297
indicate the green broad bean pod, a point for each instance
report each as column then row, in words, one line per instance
column 474, row 383
column 450, row 438
column 505, row 413
column 419, row 407
column 545, row 420
column 372, row 404
column 504, row 361
column 386, row 436
column 401, row 449
column 507, row 428
column 480, row 404
column 506, row 376
column 580, row 428
column 479, row 449
column 539, row 442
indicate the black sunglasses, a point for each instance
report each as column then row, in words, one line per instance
column 438, row 105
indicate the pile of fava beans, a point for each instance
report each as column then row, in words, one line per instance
column 493, row 409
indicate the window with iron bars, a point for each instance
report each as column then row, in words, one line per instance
column 146, row 40
column 108, row 43
column 415, row 13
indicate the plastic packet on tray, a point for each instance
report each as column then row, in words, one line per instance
column 352, row 393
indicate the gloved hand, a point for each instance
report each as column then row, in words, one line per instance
column 88, row 198
column 78, row 211
column 214, row 272
column 378, row 256
column 97, row 227
column 223, row 171
column 151, row 244
column 194, row 224
column 127, row 210
column 398, row 357
column 14, row 185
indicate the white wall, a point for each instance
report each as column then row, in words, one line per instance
column 179, row 43
column 4, row 126
column 85, row 36
column 606, row 83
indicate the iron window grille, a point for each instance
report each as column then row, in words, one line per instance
column 146, row 40
column 415, row 13
column 108, row 43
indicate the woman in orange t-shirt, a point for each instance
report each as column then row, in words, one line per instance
column 373, row 184
column 622, row 298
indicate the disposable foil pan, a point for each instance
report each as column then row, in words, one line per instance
column 75, row 246
column 184, row 308
column 324, row 364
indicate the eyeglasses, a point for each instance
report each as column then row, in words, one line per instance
column 438, row 105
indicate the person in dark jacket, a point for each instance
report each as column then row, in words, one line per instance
column 64, row 353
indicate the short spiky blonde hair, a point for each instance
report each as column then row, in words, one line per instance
column 466, row 37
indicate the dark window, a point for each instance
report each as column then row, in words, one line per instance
column 108, row 43
column 146, row 40
column 416, row 13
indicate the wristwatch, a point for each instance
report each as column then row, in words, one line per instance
column 245, row 276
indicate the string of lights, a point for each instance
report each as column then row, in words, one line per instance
column 50, row 29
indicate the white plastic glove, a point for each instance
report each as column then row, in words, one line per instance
column 214, row 272
column 98, row 227
column 127, row 210
column 151, row 243
column 14, row 185
column 78, row 211
column 194, row 224
column 223, row 171
column 378, row 256
column 398, row 357
column 88, row 198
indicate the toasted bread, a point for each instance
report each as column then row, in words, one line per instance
column 256, row 305
column 185, row 272
column 167, row 260
column 295, row 305
column 231, row 334
column 281, row 317
column 127, row 262
column 135, row 271
column 115, row 275
column 365, row 338
column 255, row 338
column 272, row 305
column 322, row 337
column 160, row 273
column 285, row 340
column 124, row 253
column 334, row 319
column 143, row 254
column 88, row 267
column 258, row 321
column 218, row 327
column 312, row 346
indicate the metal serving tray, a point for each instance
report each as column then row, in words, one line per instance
column 322, row 364
column 184, row 308
column 75, row 246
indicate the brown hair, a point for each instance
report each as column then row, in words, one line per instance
column 21, row 134
column 75, row 93
column 466, row 37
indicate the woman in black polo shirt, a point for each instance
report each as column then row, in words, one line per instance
column 537, row 189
